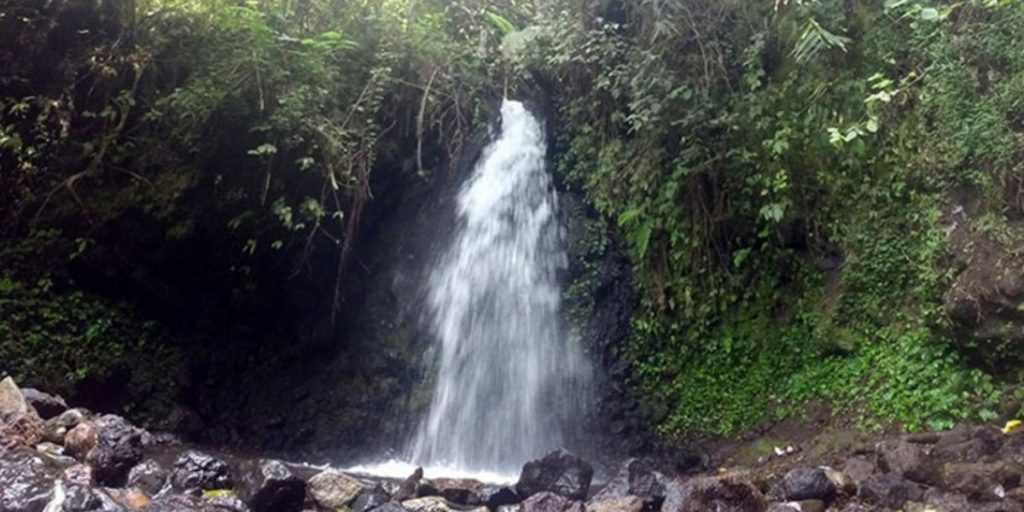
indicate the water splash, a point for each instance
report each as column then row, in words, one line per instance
column 509, row 382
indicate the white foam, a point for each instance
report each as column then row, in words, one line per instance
column 400, row 469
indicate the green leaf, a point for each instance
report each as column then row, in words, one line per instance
column 506, row 27
column 929, row 14
column 628, row 215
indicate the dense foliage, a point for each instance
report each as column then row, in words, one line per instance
column 784, row 174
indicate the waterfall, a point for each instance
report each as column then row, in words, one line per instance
column 508, row 380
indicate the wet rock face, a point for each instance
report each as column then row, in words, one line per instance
column 986, row 300
column 26, row 483
column 723, row 494
column 559, row 472
column 118, row 448
column 269, row 486
column 195, row 472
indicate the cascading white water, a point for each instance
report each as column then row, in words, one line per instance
column 508, row 380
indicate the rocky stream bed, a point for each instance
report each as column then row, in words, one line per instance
column 55, row 458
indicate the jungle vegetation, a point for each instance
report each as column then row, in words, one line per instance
column 782, row 173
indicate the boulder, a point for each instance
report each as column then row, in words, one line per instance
column 80, row 440
column 968, row 444
column 496, row 496
column 54, row 429
column 118, row 448
column 455, row 490
column 369, row 499
column 195, row 472
column 149, row 476
column 12, row 401
column 637, row 477
column 409, row 486
column 545, row 501
column 719, row 493
column 45, row 404
column 269, row 486
column 843, row 482
column 981, row 481
column 806, row 484
column 889, row 490
column 26, row 482
column 334, row 489
column 559, row 472
column 908, row 459
column 620, row 504
column 21, row 430
column 859, row 468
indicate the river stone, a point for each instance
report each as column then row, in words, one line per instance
column 718, row 493
column 980, row 481
column 497, row 496
column 54, row 429
column 45, row 404
column 370, row 499
column 909, row 459
column 889, row 490
column 20, row 430
column 637, row 477
column 434, row 504
column 118, row 448
column 807, row 484
column 545, row 501
column 81, row 498
column 149, row 476
column 12, row 401
column 269, row 486
column 179, row 503
column 559, row 472
column 195, row 472
column 26, row 482
column 455, row 490
column 622, row 504
column 78, row 474
column 390, row 507
column 80, row 440
column 334, row 489
column 409, row 486
column 226, row 502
